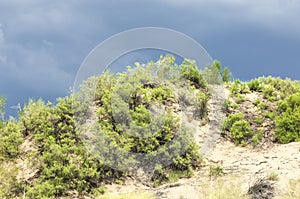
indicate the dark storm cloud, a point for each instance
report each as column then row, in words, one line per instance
column 42, row 43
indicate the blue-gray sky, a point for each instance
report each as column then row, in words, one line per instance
column 43, row 42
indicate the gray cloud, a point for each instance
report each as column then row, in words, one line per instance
column 269, row 14
column 42, row 43
column 1, row 35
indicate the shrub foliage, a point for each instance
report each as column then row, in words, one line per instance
column 50, row 138
column 276, row 102
column 288, row 121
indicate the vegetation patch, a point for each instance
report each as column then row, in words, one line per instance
column 267, row 111
column 126, row 106
column 288, row 121
column 138, row 111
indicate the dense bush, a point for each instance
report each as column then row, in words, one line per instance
column 237, row 88
column 288, row 122
column 284, row 121
column 239, row 129
column 137, row 110
column 231, row 119
column 269, row 93
column 125, row 116
column 274, row 88
column 10, row 139
column 241, row 132
column 254, row 85
column 190, row 71
column 270, row 115
column 181, row 166
column 284, row 87
column 229, row 104
column 65, row 164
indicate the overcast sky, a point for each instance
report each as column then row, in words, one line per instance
column 43, row 42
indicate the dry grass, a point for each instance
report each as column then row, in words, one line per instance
column 223, row 188
column 293, row 191
column 140, row 195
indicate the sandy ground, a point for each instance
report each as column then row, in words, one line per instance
column 242, row 165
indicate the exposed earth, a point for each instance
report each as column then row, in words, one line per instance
column 241, row 166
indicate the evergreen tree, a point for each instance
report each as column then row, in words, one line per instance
column 2, row 107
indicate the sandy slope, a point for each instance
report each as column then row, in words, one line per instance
column 240, row 164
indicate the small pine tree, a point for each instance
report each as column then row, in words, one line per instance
column 215, row 75
column 226, row 75
column 2, row 107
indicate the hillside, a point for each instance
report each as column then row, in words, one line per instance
column 158, row 130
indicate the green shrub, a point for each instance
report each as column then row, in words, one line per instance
column 239, row 129
column 257, row 137
column 254, row 85
column 290, row 103
column 288, row 121
column 10, row 139
column 259, row 120
column 182, row 166
column 288, row 87
column 235, row 88
column 159, row 175
column 229, row 104
column 288, row 126
column 256, row 102
column 201, row 104
column 231, row 119
column 65, row 162
column 284, row 87
column 241, row 132
column 244, row 88
column 120, row 103
column 190, row 72
column 270, row 115
column 215, row 171
column 239, row 98
column 263, row 106
column 273, row 176
column 269, row 93
column 161, row 94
